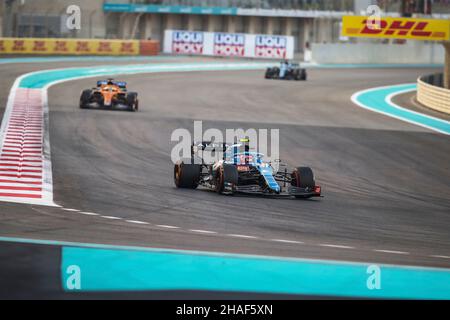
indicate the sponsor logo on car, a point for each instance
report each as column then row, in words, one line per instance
column 243, row 168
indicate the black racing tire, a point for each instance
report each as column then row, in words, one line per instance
column 227, row 173
column 85, row 98
column 276, row 73
column 186, row 175
column 303, row 75
column 269, row 73
column 132, row 101
column 303, row 177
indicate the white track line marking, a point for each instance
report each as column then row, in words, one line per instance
column 202, row 231
column 335, row 246
column 241, row 236
column 391, row 251
column 89, row 213
column 440, row 257
column 137, row 222
column 287, row 241
column 166, row 226
column 111, row 217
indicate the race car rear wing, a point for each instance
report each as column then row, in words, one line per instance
column 208, row 146
column 120, row 84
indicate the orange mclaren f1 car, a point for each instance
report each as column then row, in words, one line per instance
column 109, row 94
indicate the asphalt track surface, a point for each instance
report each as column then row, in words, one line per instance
column 386, row 182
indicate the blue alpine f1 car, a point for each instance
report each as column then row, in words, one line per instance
column 286, row 71
column 243, row 172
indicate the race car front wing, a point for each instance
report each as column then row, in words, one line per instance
column 290, row 192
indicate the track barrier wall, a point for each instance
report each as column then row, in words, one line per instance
column 57, row 46
column 432, row 94
column 228, row 44
column 412, row 52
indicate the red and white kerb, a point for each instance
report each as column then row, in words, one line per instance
column 22, row 160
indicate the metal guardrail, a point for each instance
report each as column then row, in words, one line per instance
column 432, row 94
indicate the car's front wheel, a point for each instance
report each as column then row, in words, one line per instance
column 303, row 177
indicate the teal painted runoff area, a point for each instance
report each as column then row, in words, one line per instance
column 376, row 99
column 41, row 79
column 122, row 270
column 112, row 267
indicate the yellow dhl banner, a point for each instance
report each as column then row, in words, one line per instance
column 68, row 46
column 397, row 28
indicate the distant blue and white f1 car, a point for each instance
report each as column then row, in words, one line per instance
column 286, row 71
column 244, row 172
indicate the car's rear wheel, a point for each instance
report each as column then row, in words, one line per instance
column 303, row 177
column 269, row 73
column 85, row 98
column 186, row 175
column 226, row 175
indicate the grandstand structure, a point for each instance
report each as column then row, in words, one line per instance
column 308, row 21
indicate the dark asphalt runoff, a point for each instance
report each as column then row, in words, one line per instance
column 386, row 183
